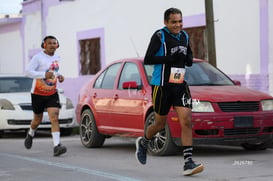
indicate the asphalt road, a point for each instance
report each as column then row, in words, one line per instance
column 116, row 161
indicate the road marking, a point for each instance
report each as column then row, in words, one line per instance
column 74, row 168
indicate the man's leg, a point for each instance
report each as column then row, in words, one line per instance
column 161, row 103
column 159, row 124
column 142, row 142
column 184, row 115
column 37, row 118
column 53, row 113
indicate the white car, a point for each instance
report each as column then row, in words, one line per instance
column 16, row 110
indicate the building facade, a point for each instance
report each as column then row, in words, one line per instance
column 93, row 33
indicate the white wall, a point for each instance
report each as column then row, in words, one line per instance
column 270, row 48
column 32, row 35
column 237, row 36
column 128, row 25
column 11, row 51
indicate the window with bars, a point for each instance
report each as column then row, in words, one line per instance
column 90, row 58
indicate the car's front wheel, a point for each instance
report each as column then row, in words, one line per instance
column 162, row 144
column 90, row 137
column 258, row 146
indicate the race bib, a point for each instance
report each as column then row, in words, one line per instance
column 177, row 75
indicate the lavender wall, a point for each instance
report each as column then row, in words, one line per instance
column 258, row 82
column 71, row 86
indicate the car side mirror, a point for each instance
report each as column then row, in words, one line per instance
column 130, row 85
column 237, row 82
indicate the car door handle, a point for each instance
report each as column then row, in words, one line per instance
column 115, row 96
column 94, row 95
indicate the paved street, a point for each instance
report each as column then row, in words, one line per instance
column 116, row 161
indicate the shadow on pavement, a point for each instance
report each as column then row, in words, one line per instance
column 22, row 134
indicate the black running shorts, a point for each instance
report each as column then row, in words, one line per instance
column 164, row 97
column 40, row 103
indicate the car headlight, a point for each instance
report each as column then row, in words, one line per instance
column 267, row 105
column 6, row 105
column 201, row 106
column 69, row 104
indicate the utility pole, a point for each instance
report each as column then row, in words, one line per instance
column 210, row 32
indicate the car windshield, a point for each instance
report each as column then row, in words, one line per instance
column 15, row 84
column 199, row 74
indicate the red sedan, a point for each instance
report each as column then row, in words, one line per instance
column 118, row 102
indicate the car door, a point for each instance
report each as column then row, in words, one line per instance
column 127, row 107
column 102, row 95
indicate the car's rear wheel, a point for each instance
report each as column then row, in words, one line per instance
column 90, row 137
column 162, row 144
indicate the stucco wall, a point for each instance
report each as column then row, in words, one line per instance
column 125, row 28
column 270, row 66
column 237, row 36
column 11, row 60
column 128, row 25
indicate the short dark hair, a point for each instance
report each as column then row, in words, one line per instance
column 171, row 11
column 49, row 37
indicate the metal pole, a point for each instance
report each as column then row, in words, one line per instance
column 210, row 32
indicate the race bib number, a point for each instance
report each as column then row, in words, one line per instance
column 177, row 75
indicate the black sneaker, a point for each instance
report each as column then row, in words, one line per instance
column 190, row 168
column 59, row 149
column 141, row 152
column 28, row 141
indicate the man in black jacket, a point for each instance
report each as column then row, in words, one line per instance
column 170, row 52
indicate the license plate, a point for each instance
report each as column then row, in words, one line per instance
column 243, row 121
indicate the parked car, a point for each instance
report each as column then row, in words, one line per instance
column 118, row 102
column 16, row 110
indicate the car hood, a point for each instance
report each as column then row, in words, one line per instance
column 226, row 94
column 24, row 97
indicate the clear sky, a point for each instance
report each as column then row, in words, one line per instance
column 10, row 6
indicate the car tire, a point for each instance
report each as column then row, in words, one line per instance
column 258, row 146
column 89, row 134
column 162, row 144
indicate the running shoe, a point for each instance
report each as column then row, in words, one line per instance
column 141, row 152
column 59, row 149
column 190, row 168
column 28, row 141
